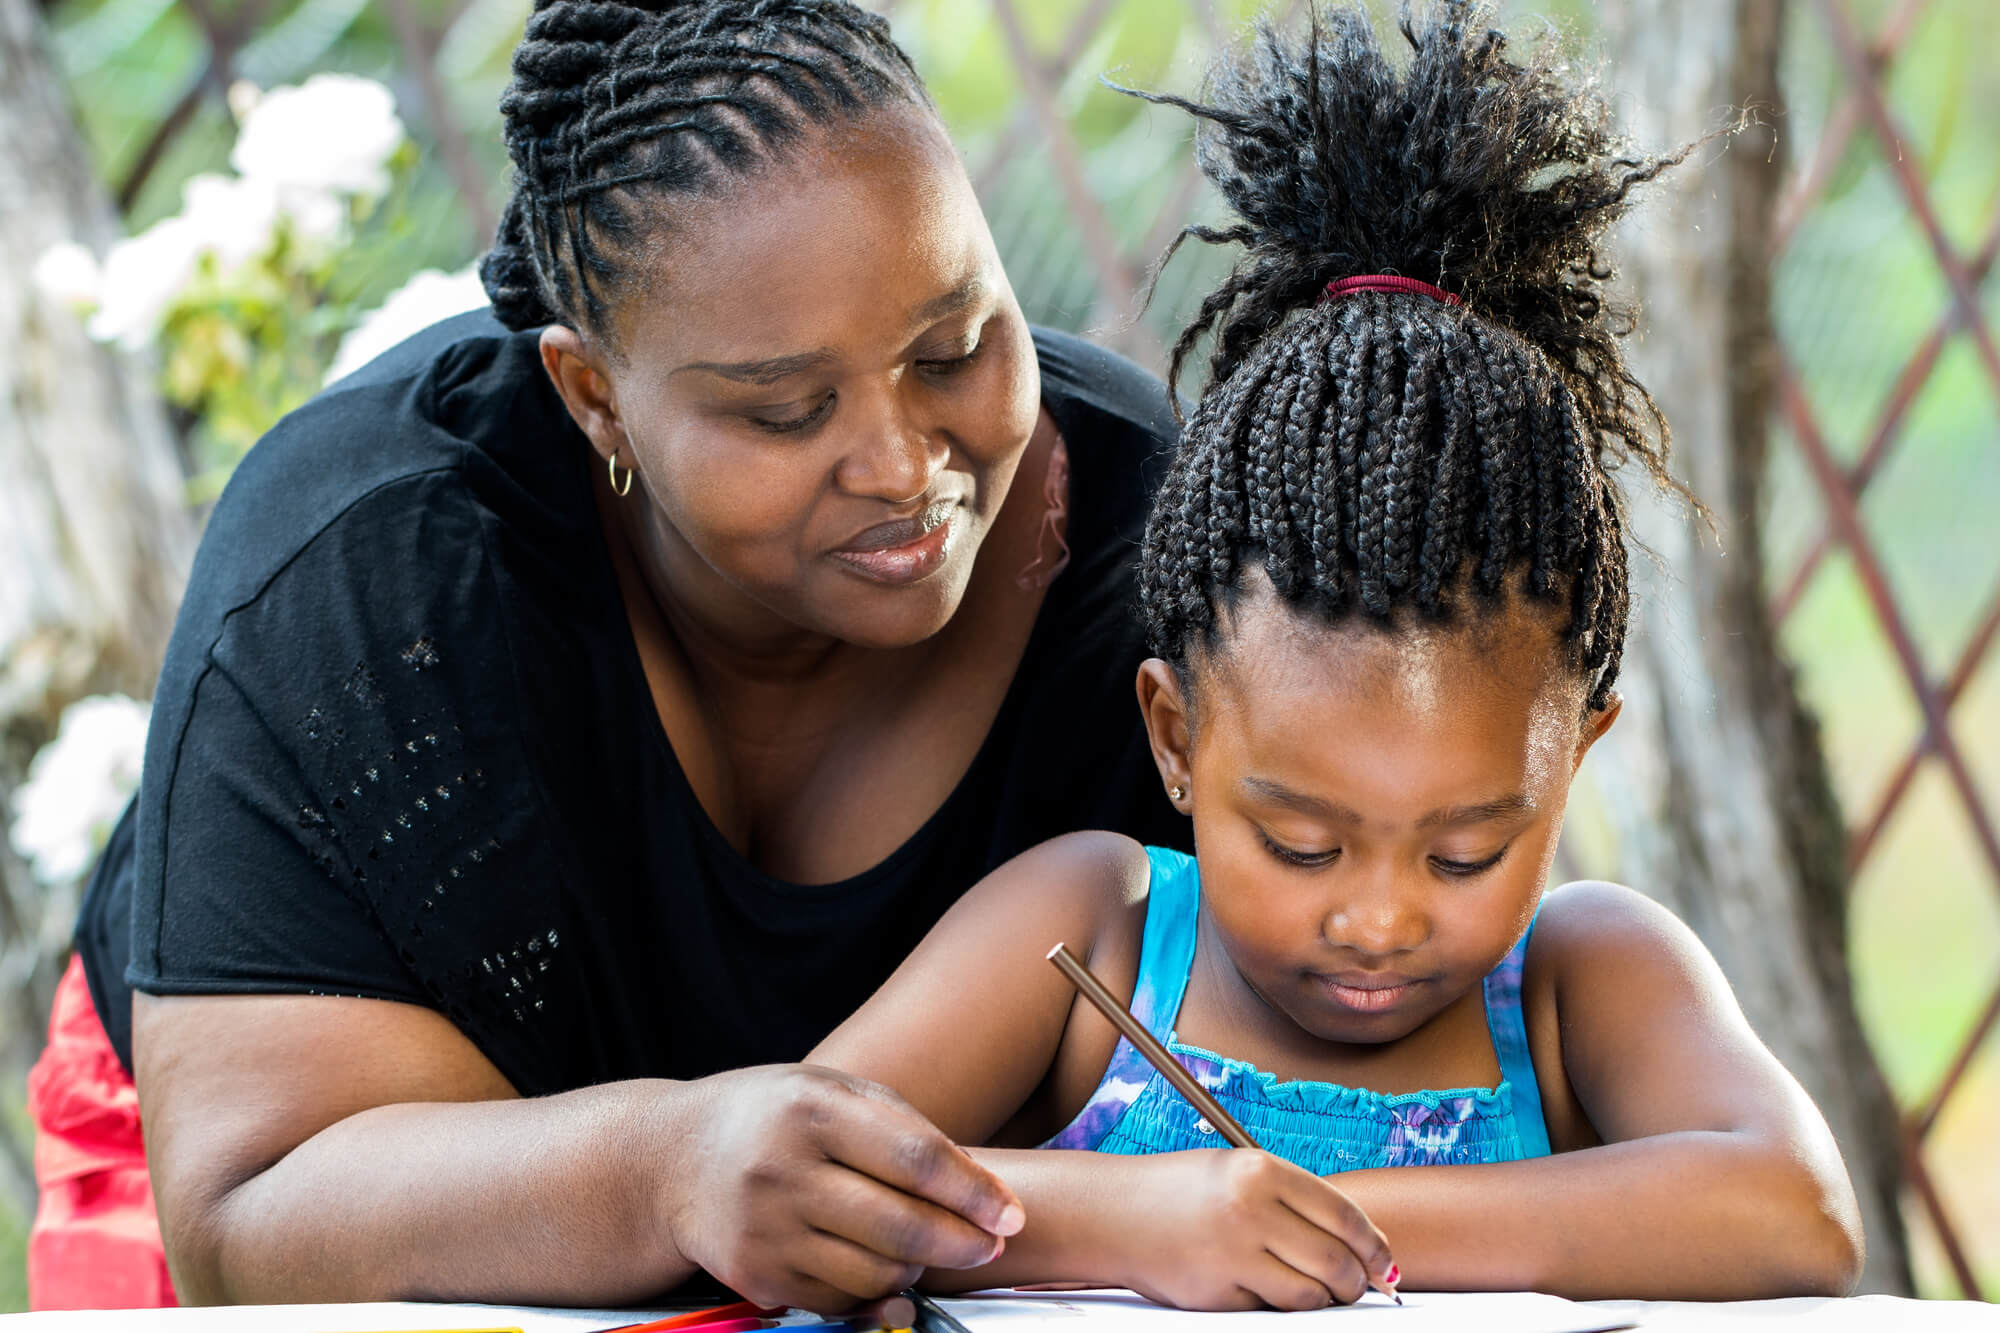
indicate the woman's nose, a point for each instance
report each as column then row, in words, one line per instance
column 894, row 461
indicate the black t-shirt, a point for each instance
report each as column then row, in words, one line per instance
column 403, row 746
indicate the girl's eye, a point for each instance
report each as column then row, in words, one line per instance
column 786, row 425
column 951, row 365
column 1466, row 869
column 1293, row 857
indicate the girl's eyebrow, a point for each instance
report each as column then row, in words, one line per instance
column 1504, row 807
column 1277, row 793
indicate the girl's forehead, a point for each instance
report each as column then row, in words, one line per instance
column 1495, row 684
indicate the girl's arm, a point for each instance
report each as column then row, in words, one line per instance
column 1717, row 1178
column 971, row 1027
column 986, row 1039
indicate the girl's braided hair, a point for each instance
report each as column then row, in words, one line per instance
column 1386, row 451
column 616, row 106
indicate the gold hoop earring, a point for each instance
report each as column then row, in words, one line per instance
column 1176, row 792
column 621, row 491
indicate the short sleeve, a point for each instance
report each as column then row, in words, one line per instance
column 334, row 802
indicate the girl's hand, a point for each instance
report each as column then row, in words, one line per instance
column 797, row 1185
column 1238, row 1229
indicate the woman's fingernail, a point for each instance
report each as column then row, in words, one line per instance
column 1393, row 1276
column 1012, row 1219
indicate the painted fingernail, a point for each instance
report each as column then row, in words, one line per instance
column 1393, row 1276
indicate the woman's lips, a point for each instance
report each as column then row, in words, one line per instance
column 1369, row 995
column 904, row 551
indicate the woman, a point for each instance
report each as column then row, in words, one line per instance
column 566, row 717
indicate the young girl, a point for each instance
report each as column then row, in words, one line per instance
column 1386, row 582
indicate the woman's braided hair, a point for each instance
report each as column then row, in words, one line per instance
column 616, row 106
column 1386, row 452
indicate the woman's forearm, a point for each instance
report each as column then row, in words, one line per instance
column 554, row 1200
column 1680, row 1216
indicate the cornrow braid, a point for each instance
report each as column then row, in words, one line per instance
column 1387, row 452
column 613, row 104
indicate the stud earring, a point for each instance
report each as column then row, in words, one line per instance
column 1176, row 792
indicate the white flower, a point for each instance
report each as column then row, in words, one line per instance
column 333, row 132
column 78, row 785
column 142, row 276
column 233, row 218
column 68, row 275
column 419, row 303
column 227, row 217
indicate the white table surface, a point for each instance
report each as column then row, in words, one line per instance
column 1864, row 1314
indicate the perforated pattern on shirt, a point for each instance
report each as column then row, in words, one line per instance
column 409, row 823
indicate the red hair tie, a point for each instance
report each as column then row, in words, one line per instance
column 1387, row 282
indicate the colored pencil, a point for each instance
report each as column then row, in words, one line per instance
column 685, row 1323
column 1161, row 1059
column 932, row 1317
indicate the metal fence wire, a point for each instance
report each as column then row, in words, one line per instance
column 1081, row 217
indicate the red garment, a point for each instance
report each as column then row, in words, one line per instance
column 95, row 1244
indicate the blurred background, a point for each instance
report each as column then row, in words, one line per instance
column 196, row 233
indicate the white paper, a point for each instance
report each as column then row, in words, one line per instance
column 1421, row 1312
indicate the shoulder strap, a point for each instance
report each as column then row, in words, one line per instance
column 1166, row 950
column 1509, row 1027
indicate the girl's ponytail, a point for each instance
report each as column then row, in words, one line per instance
column 1392, row 444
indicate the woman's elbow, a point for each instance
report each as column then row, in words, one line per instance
column 1842, row 1247
column 1827, row 1248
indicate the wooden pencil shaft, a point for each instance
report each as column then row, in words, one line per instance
column 1149, row 1046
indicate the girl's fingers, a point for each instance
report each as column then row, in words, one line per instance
column 898, row 1147
column 1281, row 1286
column 1322, row 1258
column 861, row 1210
column 1339, row 1216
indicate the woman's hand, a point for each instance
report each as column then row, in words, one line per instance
column 797, row 1185
column 1238, row 1229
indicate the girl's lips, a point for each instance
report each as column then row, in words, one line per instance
column 910, row 562
column 1374, row 997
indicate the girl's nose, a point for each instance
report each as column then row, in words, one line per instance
column 1379, row 915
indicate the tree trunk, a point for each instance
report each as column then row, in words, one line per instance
column 94, row 535
column 1714, row 782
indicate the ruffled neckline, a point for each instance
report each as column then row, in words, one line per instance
column 1239, row 1078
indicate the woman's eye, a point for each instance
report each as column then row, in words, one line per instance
column 951, row 365
column 780, row 425
column 1294, row 857
column 1466, row 869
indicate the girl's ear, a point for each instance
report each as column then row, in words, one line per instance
column 1167, row 730
column 584, row 388
column 1595, row 723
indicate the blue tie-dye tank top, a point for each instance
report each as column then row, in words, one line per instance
column 1322, row 1127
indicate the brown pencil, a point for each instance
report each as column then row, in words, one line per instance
column 1161, row 1059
